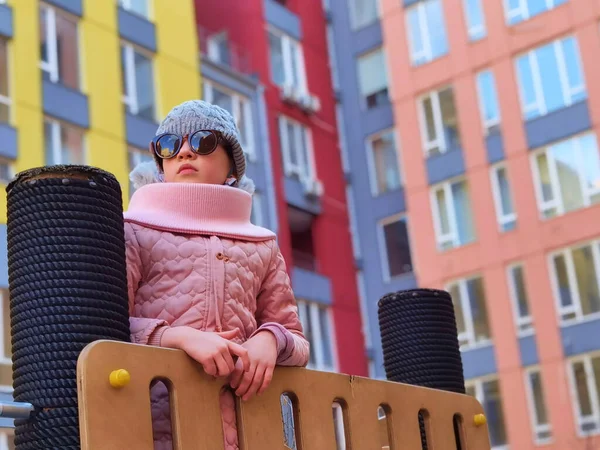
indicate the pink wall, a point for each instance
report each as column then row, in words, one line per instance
column 533, row 239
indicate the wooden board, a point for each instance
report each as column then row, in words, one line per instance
column 119, row 418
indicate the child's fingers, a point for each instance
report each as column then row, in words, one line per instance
column 236, row 377
column 229, row 334
column 241, row 352
column 267, row 379
column 257, row 381
column 222, row 366
column 210, row 367
column 246, row 380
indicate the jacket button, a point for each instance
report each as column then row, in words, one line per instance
column 226, row 258
column 220, row 255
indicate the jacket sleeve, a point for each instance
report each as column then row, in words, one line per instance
column 277, row 312
column 143, row 330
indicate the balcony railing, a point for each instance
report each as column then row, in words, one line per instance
column 217, row 47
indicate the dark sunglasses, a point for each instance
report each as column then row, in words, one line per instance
column 202, row 142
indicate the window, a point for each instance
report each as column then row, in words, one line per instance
column 468, row 297
column 7, row 438
column 487, row 392
column 383, row 163
column 575, row 274
column 64, row 143
column 5, row 338
column 584, row 376
column 535, row 393
column 372, row 78
column 520, row 10
column 519, row 299
column 567, row 175
column 439, row 122
column 241, row 110
column 137, row 156
column 59, row 51
column 363, row 12
column 317, row 329
column 296, row 147
column 287, row 61
column 138, row 82
column 4, row 82
column 505, row 211
column 488, row 101
column 550, row 78
column 6, row 171
column 353, row 221
column 139, row 7
column 426, row 31
column 452, row 215
column 475, row 19
column 256, row 214
column 395, row 246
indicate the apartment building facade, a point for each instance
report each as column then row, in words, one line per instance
column 495, row 113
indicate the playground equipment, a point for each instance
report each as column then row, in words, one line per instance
column 79, row 384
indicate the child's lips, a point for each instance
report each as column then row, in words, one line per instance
column 187, row 168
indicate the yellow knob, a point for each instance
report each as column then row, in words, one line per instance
column 479, row 419
column 119, row 378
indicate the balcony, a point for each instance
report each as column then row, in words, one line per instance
column 217, row 47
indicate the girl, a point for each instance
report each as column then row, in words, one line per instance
column 201, row 277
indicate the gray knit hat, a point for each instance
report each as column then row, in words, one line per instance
column 194, row 115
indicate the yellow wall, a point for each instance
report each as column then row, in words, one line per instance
column 176, row 72
column 178, row 61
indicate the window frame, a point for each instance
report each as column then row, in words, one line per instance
column 371, row 166
column 438, row 122
column 427, row 52
column 304, row 173
column 353, row 15
column 126, row 5
column 474, row 31
column 6, row 432
column 568, row 93
column 240, row 103
column 11, row 169
column 477, row 383
column 575, row 307
column 383, row 251
column 520, row 322
column 56, row 125
column 533, row 413
column 388, row 87
column 586, row 360
column 524, row 9
column 557, row 201
column 488, row 125
column 465, row 304
column 130, row 99
column 51, row 67
column 502, row 219
column 287, row 43
column 453, row 235
column 7, row 100
column 312, row 309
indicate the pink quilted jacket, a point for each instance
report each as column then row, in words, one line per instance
column 193, row 259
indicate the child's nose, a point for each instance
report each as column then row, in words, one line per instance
column 186, row 151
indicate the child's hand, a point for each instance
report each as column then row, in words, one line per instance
column 262, row 351
column 212, row 350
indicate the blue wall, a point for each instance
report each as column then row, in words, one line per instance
column 358, row 124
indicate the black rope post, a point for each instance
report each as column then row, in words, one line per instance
column 68, row 288
column 420, row 341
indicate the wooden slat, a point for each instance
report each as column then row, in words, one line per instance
column 108, row 415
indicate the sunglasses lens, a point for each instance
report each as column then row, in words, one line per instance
column 203, row 142
column 167, row 145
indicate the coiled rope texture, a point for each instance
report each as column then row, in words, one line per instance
column 68, row 287
column 420, row 342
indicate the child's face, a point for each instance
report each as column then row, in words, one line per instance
column 189, row 167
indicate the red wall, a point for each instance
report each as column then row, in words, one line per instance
column 247, row 27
